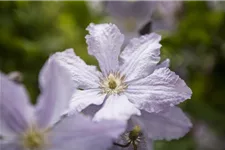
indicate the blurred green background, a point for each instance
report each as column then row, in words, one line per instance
column 31, row 31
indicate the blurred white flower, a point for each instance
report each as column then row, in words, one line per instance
column 130, row 16
column 142, row 130
column 28, row 127
column 216, row 5
column 95, row 6
column 165, row 15
column 128, row 82
column 141, row 17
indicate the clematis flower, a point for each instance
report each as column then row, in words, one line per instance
column 130, row 17
column 136, row 18
column 165, row 16
column 216, row 5
column 129, row 81
column 142, row 130
column 27, row 127
column 95, row 7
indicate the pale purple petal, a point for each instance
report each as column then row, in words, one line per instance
column 139, row 10
column 165, row 18
column 164, row 64
column 147, row 144
column 104, row 42
column 140, row 56
column 116, row 107
column 163, row 88
column 129, row 16
column 83, row 98
column 5, row 130
column 83, row 75
column 169, row 124
column 81, row 133
column 12, row 145
column 91, row 110
column 15, row 108
column 56, row 92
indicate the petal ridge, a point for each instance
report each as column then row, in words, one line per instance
column 140, row 56
column 162, row 89
column 104, row 42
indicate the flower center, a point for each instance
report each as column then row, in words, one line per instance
column 113, row 84
column 135, row 136
column 33, row 139
column 132, row 138
column 135, row 133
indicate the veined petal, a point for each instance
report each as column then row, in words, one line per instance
column 164, row 64
column 15, row 108
column 163, row 88
column 56, row 92
column 80, row 132
column 83, row 75
column 116, row 107
column 140, row 56
column 83, row 98
column 5, row 130
column 104, row 42
column 169, row 124
column 12, row 145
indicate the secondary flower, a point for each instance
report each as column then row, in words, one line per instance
column 216, row 5
column 130, row 17
column 165, row 17
column 129, row 81
column 28, row 127
column 142, row 130
column 136, row 18
column 206, row 138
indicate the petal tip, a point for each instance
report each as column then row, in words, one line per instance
column 69, row 50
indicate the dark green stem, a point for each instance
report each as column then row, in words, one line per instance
column 134, row 145
column 121, row 145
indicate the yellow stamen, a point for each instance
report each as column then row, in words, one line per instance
column 33, row 139
column 112, row 84
column 134, row 134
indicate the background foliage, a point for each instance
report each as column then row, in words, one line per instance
column 31, row 31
